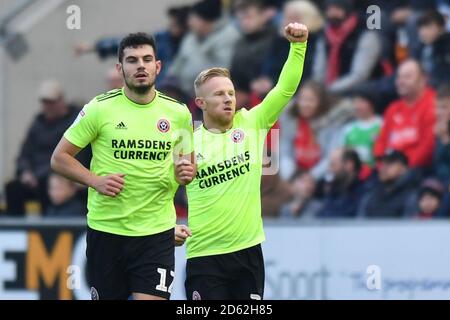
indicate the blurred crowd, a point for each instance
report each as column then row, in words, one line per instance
column 367, row 134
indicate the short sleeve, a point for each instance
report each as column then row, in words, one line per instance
column 84, row 129
column 185, row 138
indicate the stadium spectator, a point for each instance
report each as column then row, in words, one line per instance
column 441, row 159
column 274, row 194
column 403, row 40
column 33, row 164
column 343, row 189
column 258, row 36
column 408, row 122
column 303, row 205
column 307, row 13
column 435, row 47
column 309, row 128
column 430, row 199
column 348, row 53
column 395, row 195
column 400, row 40
column 210, row 43
column 168, row 40
column 63, row 198
column 361, row 133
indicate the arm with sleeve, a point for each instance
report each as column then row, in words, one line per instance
column 273, row 104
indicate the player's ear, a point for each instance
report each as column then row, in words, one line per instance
column 158, row 66
column 119, row 67
column 200, row 102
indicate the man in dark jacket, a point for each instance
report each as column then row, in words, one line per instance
column 434, row 53
column 395, row 195
column 441, row 156
column 258, row 35
column 343, row 192
column 33, row 164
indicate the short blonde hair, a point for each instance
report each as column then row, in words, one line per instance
column 207, row 74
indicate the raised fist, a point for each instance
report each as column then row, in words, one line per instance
column 296, row 32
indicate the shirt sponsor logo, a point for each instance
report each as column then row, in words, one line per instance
column 224, row 171
column 141, row 149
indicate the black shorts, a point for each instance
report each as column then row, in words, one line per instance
column 118, row 265
column 233, row 276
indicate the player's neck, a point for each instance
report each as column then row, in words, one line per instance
column 214, row 127
column 140, row 98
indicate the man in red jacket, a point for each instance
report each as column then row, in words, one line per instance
column 409, row 121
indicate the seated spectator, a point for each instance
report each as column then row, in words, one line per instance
column 258, row 36
column 343, row 189
column 303, row 205
column 441, row 158
column 303, row 11
column 167, row 41
column 395, row 195
column 348, row 53
column 408, row 122
column 430, row 199
column 435, row 46
column 309, row 130
column 403, row 40
column 209, row 43
column 63, row 198
column 274, row 193
column 400, row 40
column 33, row 164
column 361, row 133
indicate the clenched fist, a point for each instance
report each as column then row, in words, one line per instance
column 296, row 32
column 182, row 232
column 185, row 171
column 110, row 185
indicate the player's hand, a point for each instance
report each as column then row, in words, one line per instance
column 182, row 232
column 296, row 32
column 110, row 185
column 184, row 171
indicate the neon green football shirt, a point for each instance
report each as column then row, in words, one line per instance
column 224, row 198
column 139, row 141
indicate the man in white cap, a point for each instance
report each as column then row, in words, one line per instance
column 33, row 164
